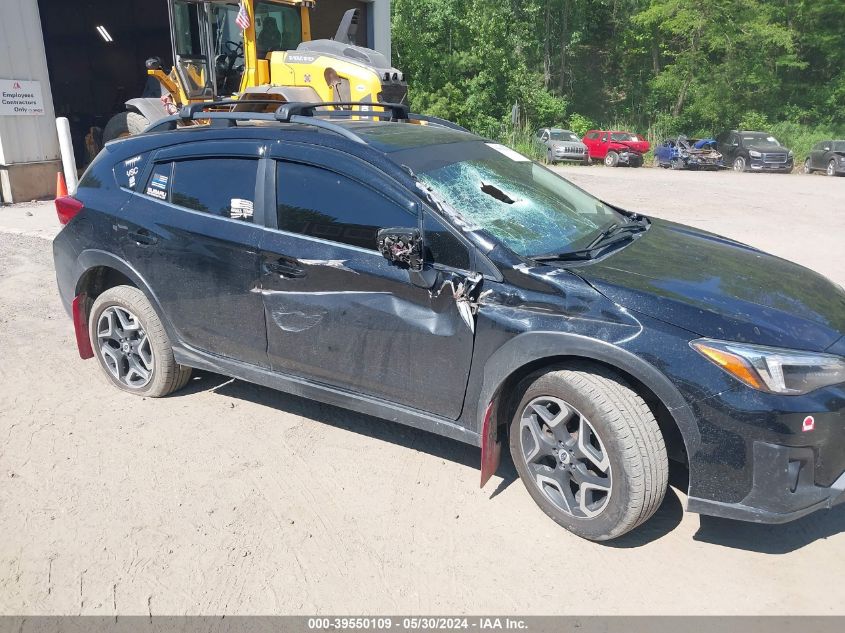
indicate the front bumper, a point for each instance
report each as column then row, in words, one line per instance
column 576, row 156
column 783, row 488
column 630, row 158
column 757, row 164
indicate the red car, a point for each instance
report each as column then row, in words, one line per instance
column 616, row 147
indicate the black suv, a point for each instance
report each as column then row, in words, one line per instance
column 437, row 279
column 827, row 156
column 754, row 151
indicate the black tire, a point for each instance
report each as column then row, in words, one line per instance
column 166, row 375
column 740, row 164
column 630, row 440
column 124, row 124
column 612, row 159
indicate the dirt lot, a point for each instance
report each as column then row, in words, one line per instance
column 233, row 499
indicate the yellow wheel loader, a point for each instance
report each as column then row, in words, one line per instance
column 257, row 50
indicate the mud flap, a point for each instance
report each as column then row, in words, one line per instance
column 80, row 326
column 491, row 448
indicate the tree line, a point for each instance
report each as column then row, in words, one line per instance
column 657, row 66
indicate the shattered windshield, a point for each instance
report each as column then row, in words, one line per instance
column 532, row 210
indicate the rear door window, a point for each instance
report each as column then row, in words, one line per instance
column 128, row 172
column 217, row 186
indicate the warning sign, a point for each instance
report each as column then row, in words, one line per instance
column 20, row 97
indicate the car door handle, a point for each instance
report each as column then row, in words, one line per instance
column 285, row 268
column 143, row 236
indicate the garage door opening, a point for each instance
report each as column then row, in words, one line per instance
column 96, row 50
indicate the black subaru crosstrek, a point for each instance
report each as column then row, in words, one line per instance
column 422, row 274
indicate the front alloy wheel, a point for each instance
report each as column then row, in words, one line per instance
column 807, row 168
column 831, row 168
column 566, row 457
column 739, row 164
column 589, row 450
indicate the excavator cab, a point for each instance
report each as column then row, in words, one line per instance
column 209, row 48
column 258, row 50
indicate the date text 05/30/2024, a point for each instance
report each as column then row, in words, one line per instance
column 415, row 623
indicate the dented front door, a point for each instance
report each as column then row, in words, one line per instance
column 339, row 313
column 348, row 318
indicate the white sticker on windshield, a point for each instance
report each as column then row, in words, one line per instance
column 507, row 151
column 772, row 139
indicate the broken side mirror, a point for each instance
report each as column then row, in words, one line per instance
column 401, row 246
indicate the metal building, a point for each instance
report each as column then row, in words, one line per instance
column 83, row 59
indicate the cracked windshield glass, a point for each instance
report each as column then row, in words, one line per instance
column 530, row 209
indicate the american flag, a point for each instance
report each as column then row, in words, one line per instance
column 243, row 18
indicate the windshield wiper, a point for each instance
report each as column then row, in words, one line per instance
column 614, row 229
column 611, row 234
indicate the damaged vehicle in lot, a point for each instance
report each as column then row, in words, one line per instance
column 616, row 148
column 425, row 275
column 827, row 156
column 754, row 151
column 562, row 145
column 684, row 153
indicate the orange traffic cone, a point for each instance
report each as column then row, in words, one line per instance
column 61, row 186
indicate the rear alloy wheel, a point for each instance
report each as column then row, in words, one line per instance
column 739, row 164
column 590, row 452
column 807, row 169
column 612, row 159
column 132, row 346
column 831, row 168
column 125, row 347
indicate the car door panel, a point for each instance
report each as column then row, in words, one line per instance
column 351, row 319
column 204, row 269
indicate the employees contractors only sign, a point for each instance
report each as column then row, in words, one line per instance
column 20, row 97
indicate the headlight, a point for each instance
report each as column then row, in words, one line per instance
column 754, row 153
column 790, row 154
column 774, row 370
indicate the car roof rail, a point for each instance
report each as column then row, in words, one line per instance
column 391, row 111
column 398, row 111
column 304, row 113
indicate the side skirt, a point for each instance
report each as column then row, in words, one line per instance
column 323, row 393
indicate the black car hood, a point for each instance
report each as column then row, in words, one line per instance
column 715, row 287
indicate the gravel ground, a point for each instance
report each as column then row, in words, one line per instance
column 229, row 498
